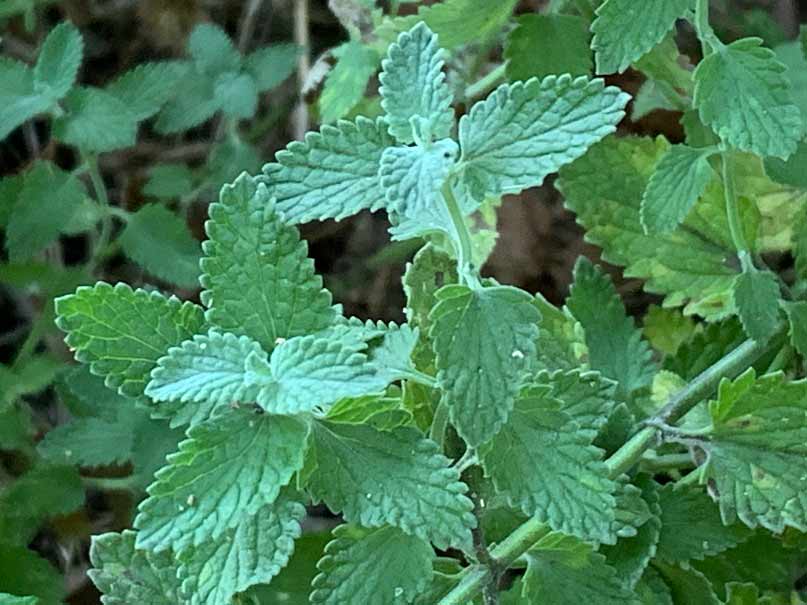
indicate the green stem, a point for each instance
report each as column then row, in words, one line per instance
column 102, row 197
column 420, row 378
column 666, row 462
column 110, row 484
column 487, row 82
column 437, row 433
column 465, row 263
column 733, row 212
column 709, row 41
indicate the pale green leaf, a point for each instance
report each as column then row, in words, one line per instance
column 743, row 95
column 212, row 50
column 483, row 340
column 562, row 341
column 10, row 599
column 95, row 121
column 756, row 296
column 680, row 178
column 19, row 101
column 587, row 397
column 346, row 83
column 381, row 566
column 413, row 87
column 393, row 357
column 58, row 61
column 121, row 333
column 797, row 316
column 687, row 586
column 396, row 477
column 195, row 105
column 525, row 131
column 650, row 97
column 257, row 278
column 230, row 158
column 667, row 329
column 93, row 441
column 236, row 95
column 169, row 181
column 789, row 172
column 272, row 64
column 332, row 174
column 228, row 469
column 147, row 87
column 543, row 45
column 625, row 30
column 791, row 55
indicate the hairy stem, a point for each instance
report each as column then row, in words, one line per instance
column 465, row 266
column 709, row 41
column 437, row 433
column 733, row 212
column 486, row 82
column 102, row 198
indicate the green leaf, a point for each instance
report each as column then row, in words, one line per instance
column 93, row 441
column 562, row 570
column 667, row 329
column 122, row 332
column 543, row 45
column 624, row 31
column 201, row 376
column 96, row 121
column 332, row 174
column 393, row 357
column 47, row 200
column 257, row 278
column 757, row 451
column 797, row 316
column 791, row 55
column 652, row 590
column 225, row 472
column 212, row 50
column 392, row 477
column 253, row 552
column 650, row 97
column 126, row 574
column 26, row 573
column 169, row 181
column 412, row 176
column 346, row 82
column 525, row 131
column 743, row 95
column 483, row 340
column 562, row 342
column 687, row 585
column 548, row 467
column 414, row 91
column 147, row 87
column 272, row 64
column 10, row 599
column 58, row 61
column 228, row 159
column 756, row 296
column 236, row 95
column 679, row 179
column 691, row 527
column 381, row 566
column 195, row 105
column 789, row 172
column 615, row 344
column 159, row 241
column 19, row 100
column 587, row 397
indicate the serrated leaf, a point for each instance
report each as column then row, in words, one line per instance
column 47, row 200
column 624, row 31
column 19, row 100
column 742, row 93
column 126, row 574
column 346, row 83
column 797, row 316
column 587, row 397
column 257, row 278
column 543, row 45
column 561, row 338
column 26, row 573
column 680, row 178
column 525, row 131
column 667, row 329
column 10, row 599
column 195, row 105
column 381, row 566
column 202, row 375
column 252, row 553
column 705, row 348
column 332, row 174
column 652, row 590
column 58, row 61
column 121, row 333
column 236, row 94
column 691, row 527
column 414, row 88
column 412, row 176
column 687, row 585
column 483, row 340
column 96, row 121
column 547, row 467
column 615, row 344
column 392, row 477
column 228, row 469
column 91, row 441
column 212, row 50
column 393, row 357
column 169, row 181
column 147, row 87
column 756, row 296
column 272, row 64
column 160, row 242
column 561, row 570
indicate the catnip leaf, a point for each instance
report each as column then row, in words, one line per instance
column 542, row 45
column 561, row 338
column 396, row 477
column 346, row 83
column 393, row 357
column 789, row 172
column 687, row 585
column 48, row 198
column 757, row 457
column 236, row 94
column 414, row 88
column 587, row 397
column 525, row 131
column 652, row 590
column 160, row 242
column 26, row 573
column 251, row 553
column 380, row 566
column 483, row 340
column 147, row 87
column 412, row 176
column 202, row 375
column 229, row 467
column 257, row 278
column 615, row 344
column 691, row 527
column 756, row 296
column 624, row 30
column 91, row 441
column 561, row 570
column 549, row 469
column 96, row 121
column 743, row 95
column 10, row 599
column 213, row 51
column 121, row 333
column 196, row 104
column 169, row 181
column 680, row 178
column 797, row 316
column 19, row 100
column 126, row 574
column 332, row 174
column 58, row 61
column 272, row 64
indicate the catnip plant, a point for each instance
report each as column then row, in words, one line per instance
column 493, row 448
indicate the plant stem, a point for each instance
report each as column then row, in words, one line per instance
column 486, row 82
column 666, row 462
column 421, row 378
column 465, row 267
column 733, row 213
column 102, row 198
column 437, row 433
column 110, row 484
column 709, row 41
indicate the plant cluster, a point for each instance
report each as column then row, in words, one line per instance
column 494, row 448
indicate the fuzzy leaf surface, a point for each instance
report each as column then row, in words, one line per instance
column 756, row 296
column 147, row 87
column 542, row 45
column 19, row 100
column 95, row 121
column 59, row 59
